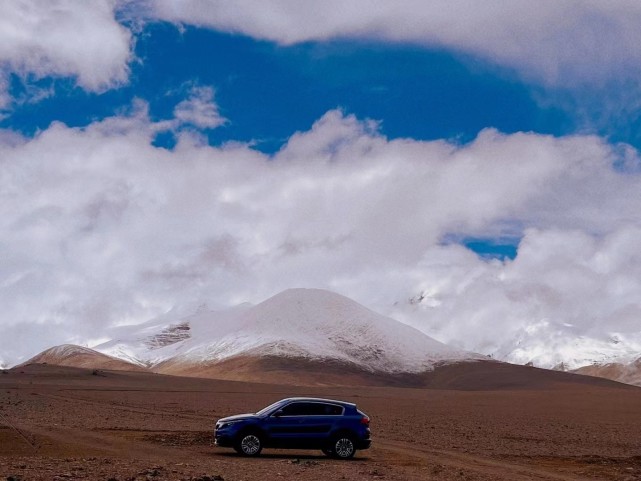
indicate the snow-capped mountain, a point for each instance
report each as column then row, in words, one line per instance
column 545, row 343
column 559, row 347
column 312, row 324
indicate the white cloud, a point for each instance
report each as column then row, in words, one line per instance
column 557, row 42
column 64, row 38
column 568, row 297
column 199, row 109
column 99, row 227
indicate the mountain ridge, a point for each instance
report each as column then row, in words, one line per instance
column 307, row 335
column 306, row 323
column 72, row 355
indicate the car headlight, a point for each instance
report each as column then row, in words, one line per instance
column 226, row 424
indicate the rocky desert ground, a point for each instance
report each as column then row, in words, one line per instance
column 63, row 423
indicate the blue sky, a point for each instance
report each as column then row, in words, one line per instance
column 268, row 91
column 481, row 156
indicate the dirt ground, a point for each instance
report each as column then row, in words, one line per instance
column 67, row 423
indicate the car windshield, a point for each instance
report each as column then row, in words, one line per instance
column 269, row 408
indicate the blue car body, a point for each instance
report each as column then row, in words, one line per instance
column 337, row 428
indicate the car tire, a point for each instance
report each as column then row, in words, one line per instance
column 343, row 447
column 249, row 444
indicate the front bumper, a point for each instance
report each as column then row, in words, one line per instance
column 223, row 440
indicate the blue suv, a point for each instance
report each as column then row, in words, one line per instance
column 335, row 427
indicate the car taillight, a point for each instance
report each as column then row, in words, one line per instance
column 365, row 420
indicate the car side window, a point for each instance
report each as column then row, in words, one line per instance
column 296, row 409
column 332, row 410
column 316, row 409
column 311, row 409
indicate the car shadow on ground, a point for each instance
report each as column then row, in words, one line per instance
column 289, row 456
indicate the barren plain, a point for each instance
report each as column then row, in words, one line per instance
column 62, row 423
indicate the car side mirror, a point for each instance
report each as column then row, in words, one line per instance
column 278, row 413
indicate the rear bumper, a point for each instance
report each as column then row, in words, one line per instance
column 363, row 444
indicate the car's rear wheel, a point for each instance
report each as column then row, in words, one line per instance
column 249, row 444
column 343, row 447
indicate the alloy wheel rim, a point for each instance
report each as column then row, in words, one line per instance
column 250, row 444
column 344, row 447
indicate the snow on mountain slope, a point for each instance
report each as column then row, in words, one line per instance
column 543, row 342
column 302, row 323
column 159, row 339
column 78, row 356
column 559, row 346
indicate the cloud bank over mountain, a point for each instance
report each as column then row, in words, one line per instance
column 108, row 229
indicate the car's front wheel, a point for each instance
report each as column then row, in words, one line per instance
column 343, row 447
column 249, row 444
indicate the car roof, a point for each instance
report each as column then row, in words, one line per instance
column 318, row 399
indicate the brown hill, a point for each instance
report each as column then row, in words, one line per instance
column 466, row 375
column 625, row 373
column 78, row 356
column 288, row 370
